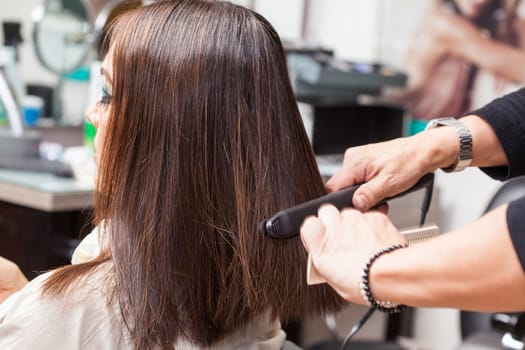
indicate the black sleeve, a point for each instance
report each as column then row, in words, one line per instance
column 506, row 115
column 516, row 225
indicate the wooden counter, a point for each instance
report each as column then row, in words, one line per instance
column 44, row 192
column 42, row 218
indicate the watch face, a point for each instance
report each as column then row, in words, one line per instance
column 439, row 121
column 432, row 124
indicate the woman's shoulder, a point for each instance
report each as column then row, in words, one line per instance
column 81, row 317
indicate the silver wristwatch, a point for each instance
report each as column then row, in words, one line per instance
column 465, row 142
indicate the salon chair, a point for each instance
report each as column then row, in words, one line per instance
column 485, row 331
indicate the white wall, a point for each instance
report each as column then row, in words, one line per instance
column 285, row 16
column 398, row 22
column 373, row 30
column 351, row 28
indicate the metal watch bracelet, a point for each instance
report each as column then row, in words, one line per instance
column 465, row 142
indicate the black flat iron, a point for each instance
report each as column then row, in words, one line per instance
column 286, row 223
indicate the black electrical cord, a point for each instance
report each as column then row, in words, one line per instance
column 356, row 328
column 425, row 206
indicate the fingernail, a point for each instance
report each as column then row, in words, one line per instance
column 361, row 202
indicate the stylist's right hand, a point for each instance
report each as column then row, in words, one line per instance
column 385, row 169
column 341, row 243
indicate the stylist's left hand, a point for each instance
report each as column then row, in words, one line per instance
column 341, row 243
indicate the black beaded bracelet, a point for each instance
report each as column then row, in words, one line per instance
column 383, row 306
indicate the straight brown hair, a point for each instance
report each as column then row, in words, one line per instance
column 204, row 140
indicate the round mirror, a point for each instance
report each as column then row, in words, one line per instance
column 62, row 34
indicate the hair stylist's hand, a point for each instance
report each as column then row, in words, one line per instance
column 385, row 169
column 341, row 243
column 11, row 278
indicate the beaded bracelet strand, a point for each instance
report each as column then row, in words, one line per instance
column 383, row 306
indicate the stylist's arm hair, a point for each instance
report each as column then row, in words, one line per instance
column 11, row 278
column 388, row 168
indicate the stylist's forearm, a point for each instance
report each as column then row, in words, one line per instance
column 440, row 146
column 472, row 268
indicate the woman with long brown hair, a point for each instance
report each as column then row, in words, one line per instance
column 199, row 138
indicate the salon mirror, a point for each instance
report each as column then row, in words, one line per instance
column 66, row 34
column 65, row 31
column 62, row 34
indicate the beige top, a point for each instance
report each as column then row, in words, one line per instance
column 84, row 319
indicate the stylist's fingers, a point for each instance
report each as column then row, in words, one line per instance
column 352, row 172
column 384, row 169
column 358, row 167
column 330, row 217
column 385, row 231
column 378, row 220
column 371, row 192
column 312, row 233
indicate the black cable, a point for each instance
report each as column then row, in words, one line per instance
column 427, row 198
column 356, row 328
column 425, row 206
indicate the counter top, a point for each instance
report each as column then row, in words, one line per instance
column 44, row 192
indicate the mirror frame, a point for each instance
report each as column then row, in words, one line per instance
column 36, row 18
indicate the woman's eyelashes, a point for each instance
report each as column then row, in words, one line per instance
column 105, row 95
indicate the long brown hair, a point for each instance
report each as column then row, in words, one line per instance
column 204, row 140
